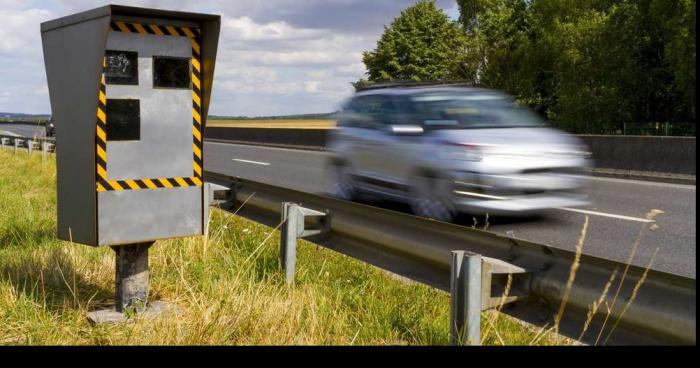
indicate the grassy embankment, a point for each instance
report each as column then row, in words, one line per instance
column 228, row 287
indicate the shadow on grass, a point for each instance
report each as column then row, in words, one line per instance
column 267, row 268
column 51, row 280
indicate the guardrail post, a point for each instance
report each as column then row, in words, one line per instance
column 288, row 246
column 2, row 143
column 30, row 145
column 44, row 149
column 465, row 290
column 293, row 217
column 16, row 145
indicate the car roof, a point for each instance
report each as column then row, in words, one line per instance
column 421, row 89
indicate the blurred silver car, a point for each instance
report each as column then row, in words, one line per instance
column 446, row 150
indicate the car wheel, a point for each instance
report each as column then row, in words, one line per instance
column 430, row 198
column 342, row 186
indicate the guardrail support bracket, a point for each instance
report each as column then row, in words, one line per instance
column 293, row 228
column 214, row 195
column 494, row 283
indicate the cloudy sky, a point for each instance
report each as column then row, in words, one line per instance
column 275, row 56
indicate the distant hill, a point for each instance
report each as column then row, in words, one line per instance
column 22, row 116
column 326, row 116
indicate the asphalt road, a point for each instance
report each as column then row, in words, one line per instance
column 618, row 206
column 24, row 130
column 616, row 214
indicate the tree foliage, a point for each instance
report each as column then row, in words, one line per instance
column 420, row 44
column 588, row 66
column 596, row 66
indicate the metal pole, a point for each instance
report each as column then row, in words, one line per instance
column 288, row 240
column 44, row 149
column 131, row 276
column 465, row 289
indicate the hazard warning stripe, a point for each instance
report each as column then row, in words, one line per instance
column 101, row 135
column 155, row 29
column 102, row 183
column 138, row 184
column 197, row 146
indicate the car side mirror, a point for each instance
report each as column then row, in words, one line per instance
column 405, row 129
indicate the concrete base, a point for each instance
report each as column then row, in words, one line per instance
column 153, row 309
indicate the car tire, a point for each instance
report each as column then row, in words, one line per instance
column 430, row 198
column 342, row 185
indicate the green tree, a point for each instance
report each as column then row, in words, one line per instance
column 676, row 21
column 594, row 66
column 421, row 44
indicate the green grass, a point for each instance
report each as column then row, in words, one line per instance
column 228, row 287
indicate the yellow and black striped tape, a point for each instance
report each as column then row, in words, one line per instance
column 155, row 29
column 103, row 184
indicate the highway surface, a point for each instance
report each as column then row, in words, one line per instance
column 616, row 215
column 24, row 130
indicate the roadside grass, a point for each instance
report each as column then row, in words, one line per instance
column 273, row 123
column 227, row 286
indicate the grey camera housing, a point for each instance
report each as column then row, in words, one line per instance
column 145, row 183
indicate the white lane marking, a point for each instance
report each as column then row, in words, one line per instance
column 588, row 212
column 9, row 133
column 603, row 214
column 252, row 162
column 639, row 182
column 268, row 148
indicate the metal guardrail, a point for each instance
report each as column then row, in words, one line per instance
column 42, row 145
column 661, row 311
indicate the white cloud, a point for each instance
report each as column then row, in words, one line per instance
column 311, row 86
column 275, row 56
column 42, row 91
column 354, row 69
column 243, row 28
column 318, row 74
column 19, row 31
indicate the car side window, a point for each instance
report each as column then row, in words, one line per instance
column 405, row 111
column 345, row 117
column 372, row 111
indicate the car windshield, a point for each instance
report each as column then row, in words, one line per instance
column 455, row 110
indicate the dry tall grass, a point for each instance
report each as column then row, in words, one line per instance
column 227, row 286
